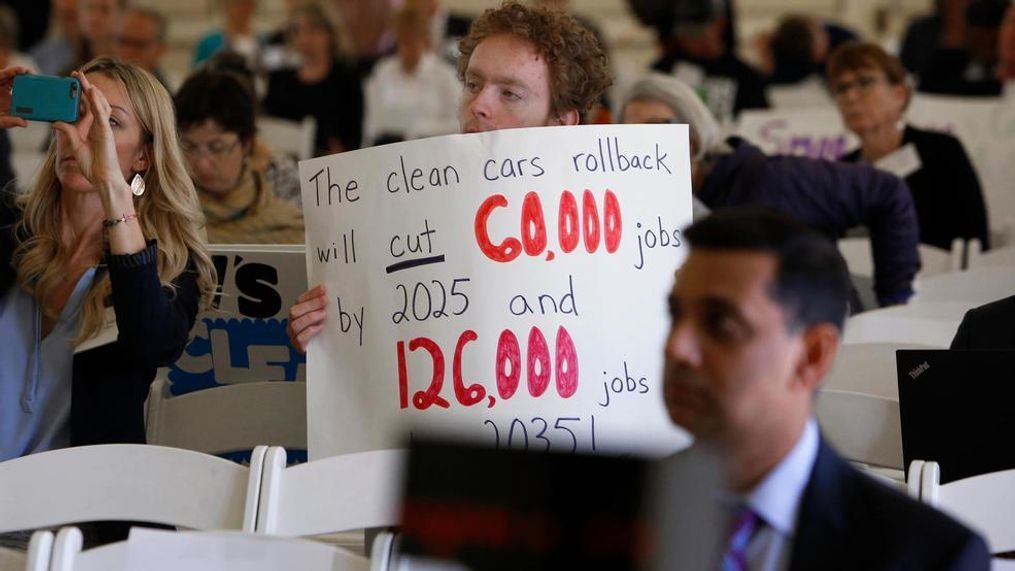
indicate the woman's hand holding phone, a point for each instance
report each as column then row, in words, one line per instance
column 7, row 75
column 91, row 141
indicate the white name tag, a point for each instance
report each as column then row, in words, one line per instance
column 902, row 162
column 105, row 336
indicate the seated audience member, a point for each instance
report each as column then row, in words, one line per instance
column 446, row 27
column 409, row 95
column 831, row 197
column 965, row 62
column 142, row 40
column 920, row 40
column 237, row 34
column 702, row 59
column 216, row 118
column 10, row 56
column 57, row 51
column 324, row 86
column 112, row 219
column 99, row 24
column 515, row 49
column 799, row 47
column 757, row 312
column 870, row 90
column 990, row 326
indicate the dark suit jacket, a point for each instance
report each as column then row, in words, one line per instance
column 990, row 326
column 849, row 521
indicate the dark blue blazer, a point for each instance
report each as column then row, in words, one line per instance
column 849, row 521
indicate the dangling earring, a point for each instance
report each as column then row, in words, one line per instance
column 137, row 185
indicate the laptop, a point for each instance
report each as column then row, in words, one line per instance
column 956, row 408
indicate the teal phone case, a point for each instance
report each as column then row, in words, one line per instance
column 46, row 98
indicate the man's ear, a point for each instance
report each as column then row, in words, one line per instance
column 820, row 345
column 570, row 117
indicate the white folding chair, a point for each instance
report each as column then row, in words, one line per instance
column 129, row 482
column 868, row 368
column 347, row 492
column 863, row 428
column 925, row 323
column 229, row 418
column 150, row 550
column 294, row 138
column 986, row 503
column 997, row 257
column 977, row 286
column 933, row 260
column 858, row 406
column 40, row 549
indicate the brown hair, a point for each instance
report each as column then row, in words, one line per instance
column 579, row 72
column 855, row 56
column 169, row 211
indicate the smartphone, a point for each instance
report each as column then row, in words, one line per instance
column 45, row 98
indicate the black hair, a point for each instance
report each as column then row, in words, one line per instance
column 223, row 96
column 986, row 13
column 811, row 282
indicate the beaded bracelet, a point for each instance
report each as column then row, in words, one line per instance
column 109, row 223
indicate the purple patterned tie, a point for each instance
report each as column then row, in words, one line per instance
column 743, row 528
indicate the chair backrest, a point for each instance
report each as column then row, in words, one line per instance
column 129, row 482
column 933, row 260
column 40, row 549
column 350, row 491
column 930, row 324
column 868, row 368
column 997, row 257
column 985, row 503
column 979, row 285
column 150, row 550
column 863, row 428
column 229, row 418
column 293, row 138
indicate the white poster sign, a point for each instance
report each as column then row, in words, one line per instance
column 986, row 127
column 506, row 287
column 242, row 336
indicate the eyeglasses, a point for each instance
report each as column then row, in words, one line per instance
column 863, row 83
column 214, row 149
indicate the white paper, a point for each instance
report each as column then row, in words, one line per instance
column 903, row 162
column 363, row 222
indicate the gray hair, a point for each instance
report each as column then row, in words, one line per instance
column 688, row 107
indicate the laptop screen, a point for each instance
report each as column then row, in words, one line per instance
column 957, row 408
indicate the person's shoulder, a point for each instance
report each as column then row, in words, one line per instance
column 853, row 509
column 1002, row 310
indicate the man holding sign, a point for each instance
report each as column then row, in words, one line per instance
column 521, row 67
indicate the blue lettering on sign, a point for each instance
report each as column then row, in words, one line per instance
column 235, row 351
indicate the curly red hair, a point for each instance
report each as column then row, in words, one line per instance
column 579, row 72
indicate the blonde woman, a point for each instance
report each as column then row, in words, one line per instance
column 102, row 268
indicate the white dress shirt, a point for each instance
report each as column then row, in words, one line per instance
column 776, row 500
column 422, row 104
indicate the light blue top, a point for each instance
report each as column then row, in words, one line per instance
column 776, row 500
column 35, row 373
